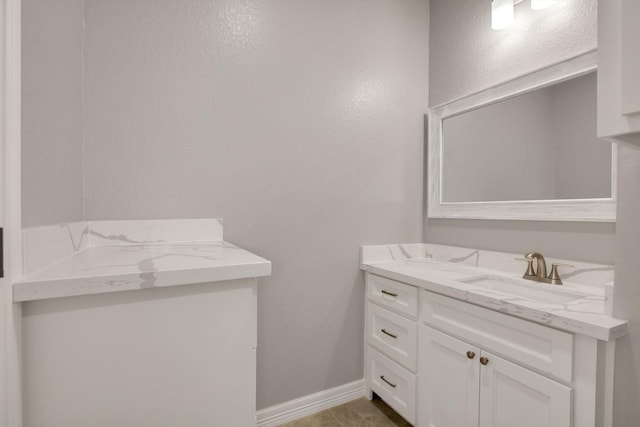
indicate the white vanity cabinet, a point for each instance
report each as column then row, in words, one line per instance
column 465, row 385
column 138, row 324
column 173, row 356
column 479, row 367
column 391, row 339
column 618, row 70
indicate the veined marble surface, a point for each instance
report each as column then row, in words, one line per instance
column 44, row 246
column 109, row 233
column 439, row 269
column 581, row 272
column 75, row 259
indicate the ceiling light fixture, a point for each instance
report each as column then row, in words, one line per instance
column 501, row 14
column 502, row 11
column 541, row 4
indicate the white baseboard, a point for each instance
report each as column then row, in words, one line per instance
column 309, row 405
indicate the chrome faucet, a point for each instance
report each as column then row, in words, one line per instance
column 539, row 273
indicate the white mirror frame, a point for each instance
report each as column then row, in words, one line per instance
column 590, row 210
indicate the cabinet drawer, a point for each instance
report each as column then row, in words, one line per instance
column 393, row 335
column 397, row 296
column 394, row 384
column 545, row 349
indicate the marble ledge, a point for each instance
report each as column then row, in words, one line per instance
column 588, row 274
column 142, row 255
column 46, row 245
column 421, row 265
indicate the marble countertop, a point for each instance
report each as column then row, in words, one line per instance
column 101, row 268
column 584, row 315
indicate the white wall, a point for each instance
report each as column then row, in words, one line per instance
column 298, row 122
column 51, row 111
column 466, row 56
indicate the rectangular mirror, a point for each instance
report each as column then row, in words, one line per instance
column 526, row 149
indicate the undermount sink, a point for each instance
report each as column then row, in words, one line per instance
column 528, row 289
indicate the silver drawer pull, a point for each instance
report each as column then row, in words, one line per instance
column 386, row 381
column 388, row 333
column 391, row 294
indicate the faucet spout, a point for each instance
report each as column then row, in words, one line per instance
column 541, row 265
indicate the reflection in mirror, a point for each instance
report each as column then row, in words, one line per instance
column 525, row 149
column 539, row 145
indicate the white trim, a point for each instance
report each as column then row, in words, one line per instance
column 12, row 138
column 10, row 127
column 309, row 405
column 591, row 210
column 609, row 375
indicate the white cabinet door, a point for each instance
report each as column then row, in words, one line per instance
column 630, row 57
column 449, row 381
column 514, row 396
column 618, row 65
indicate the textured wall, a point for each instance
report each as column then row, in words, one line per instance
column 503, row 153
column 51, row 111
column 583, row 162
column 298, row 122
column 468, row 56
column 626, row 297
column 466, row 61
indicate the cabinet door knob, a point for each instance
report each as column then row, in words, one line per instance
column 471, row 354
column 484, row 360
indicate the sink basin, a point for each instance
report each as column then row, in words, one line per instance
column 534, row 291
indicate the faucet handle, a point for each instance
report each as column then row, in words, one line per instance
column 554, row 277
column 530, row 271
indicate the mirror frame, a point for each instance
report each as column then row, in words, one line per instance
column 590, row 210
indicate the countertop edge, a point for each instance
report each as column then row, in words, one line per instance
column 552, row 319
column 25, row 291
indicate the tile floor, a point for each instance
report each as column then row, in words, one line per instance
column 358, row 413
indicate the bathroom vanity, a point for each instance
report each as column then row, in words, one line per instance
column 454, row 337
column 138, row 323
column 475, row 344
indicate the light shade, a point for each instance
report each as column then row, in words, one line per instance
column 501, row 14
column 542, row 4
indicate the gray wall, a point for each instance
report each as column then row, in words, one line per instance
column 464, row 62
column 298, row 122
column 626, row 297
column 502, row 153
column 582, row 162
column 536, row 146
column 51, row 111
column 468, row 56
